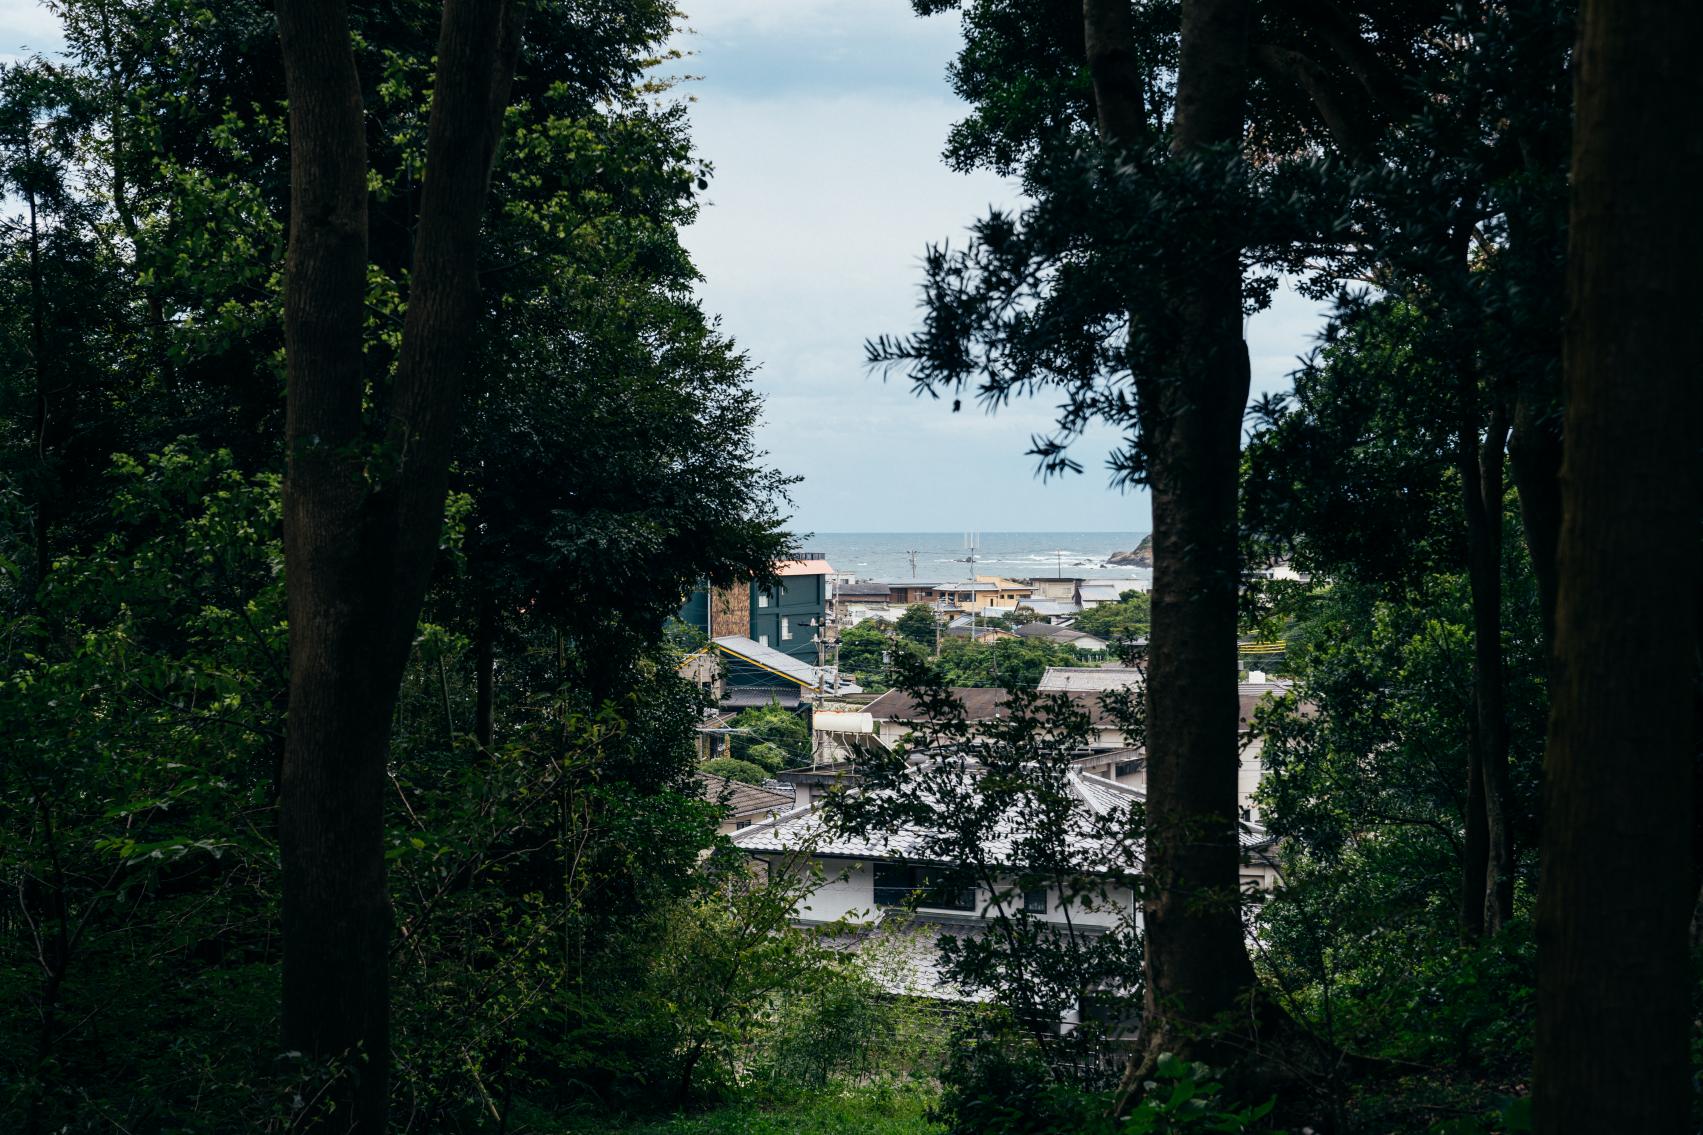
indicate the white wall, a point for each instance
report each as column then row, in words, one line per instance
column 848, row 891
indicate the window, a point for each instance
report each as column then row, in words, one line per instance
column 1035, row 900
column 738, row 824
column 1125, row 768
column 786, row 628
column 897, row 883
column 762, row 640
column 762, row 597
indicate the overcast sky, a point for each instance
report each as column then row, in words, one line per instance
column 824, row 120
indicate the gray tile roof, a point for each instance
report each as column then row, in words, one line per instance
column 780, row 664
column 980, row 703
column 744, row 799
column 1096, row 795
column 807, row 827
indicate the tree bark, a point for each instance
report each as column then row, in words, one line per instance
column 361, row 522
column 1534, row 456
column 1487, row 879
column 1613, row 1014
column 1198, row 972
column 485, row 666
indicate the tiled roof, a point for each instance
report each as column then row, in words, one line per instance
column 980, row 703
column 1096, row 795
column 1055, row 634
column 777, row 662
column 807, row 827
column 742, row 799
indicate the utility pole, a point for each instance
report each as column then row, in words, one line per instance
column 912, row 553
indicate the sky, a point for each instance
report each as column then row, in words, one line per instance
column 825, row 121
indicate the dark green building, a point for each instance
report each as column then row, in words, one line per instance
column 789, row 616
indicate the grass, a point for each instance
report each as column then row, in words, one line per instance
column 835, row 1112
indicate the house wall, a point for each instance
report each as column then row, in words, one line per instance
column 797, row 599
column 848, row 891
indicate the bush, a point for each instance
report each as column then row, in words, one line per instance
column 735, row 769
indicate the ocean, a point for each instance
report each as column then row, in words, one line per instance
column 940, row 556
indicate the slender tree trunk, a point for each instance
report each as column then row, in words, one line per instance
column 485, row 667
column 1613, row 973
column 1198, row 972
column 46, row 475
column 1487, row 885
column 361, row 521
column 1534, row 457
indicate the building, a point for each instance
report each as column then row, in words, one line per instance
column 1068, row 679
column 979, row 594
column 1063, row 636
column 896, row 874
column 752, row 673
column 1096, row 592
column 789, row 615
column 743, row 804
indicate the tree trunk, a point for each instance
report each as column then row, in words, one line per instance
column 1534, row 457
column 1487, row 880
column 485, row 667
column 361, row 522
column 46, row 475
column 1613, row 973
column 1198, row 972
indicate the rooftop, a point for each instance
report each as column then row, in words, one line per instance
column 980, row 704
column 1063, row 679
column 804, row 567
column 742, row 799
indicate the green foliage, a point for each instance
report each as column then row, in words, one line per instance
column 993, row 804
column 996, row 1083
column 735, row 769
column 864, row 652
column 1010, row 663
column 918, row 626
column 1127, row 619
column 772, row 736
column 840, row 1111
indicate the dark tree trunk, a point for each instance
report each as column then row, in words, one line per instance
column 1198, row 970
column 1487, row 880
column 1534, row 457
column 485, row 667
column 361, row 521
column 1613, row 973
column 46, row 475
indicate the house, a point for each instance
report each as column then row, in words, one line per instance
column 744, row 804
column 1057, row 589
column 1052, row 609
column 895, row 714
column 965, row 626
column 980, row 593
column 787, row 616
column 1064, row 679
column 1064, row 636
column 859, row 595
column 757, row 674
column 896, row 874
column 1096, row 592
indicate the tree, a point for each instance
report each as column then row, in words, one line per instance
column 919, row 626
column 1618, row 886
column 1126, row 620
column 363, row 510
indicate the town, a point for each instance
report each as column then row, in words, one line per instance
column 894, row 567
